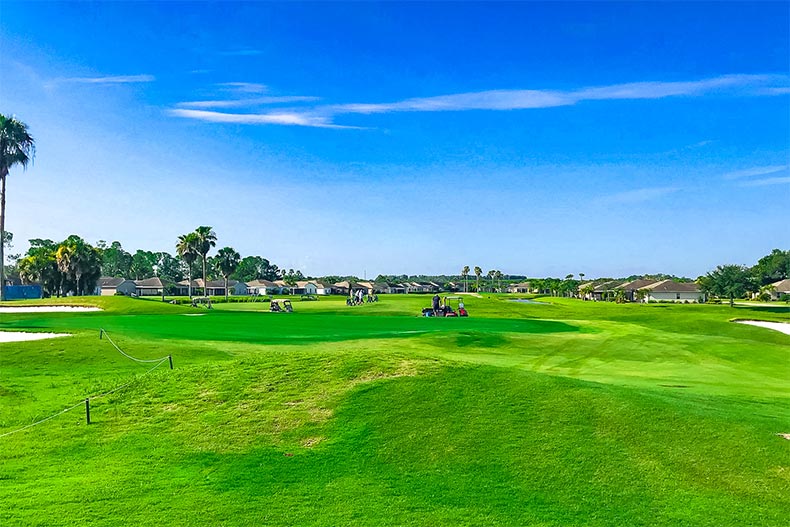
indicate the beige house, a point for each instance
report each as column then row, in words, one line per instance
column 671, row 291
column 632, row 288
column 110, row 285
column 522, row 287
column 782, row 287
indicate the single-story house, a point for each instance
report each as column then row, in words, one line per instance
column 150, row 287
column 631, row 288
column 671, row 291
column 262, row 287
column 112, row 285
column 322, row 289
column 346, row 288
column 522, row 287
column 782, row 287
column 601, row 290
column 392, row 289
column 212, row 287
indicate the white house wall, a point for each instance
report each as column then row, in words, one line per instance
column 674, row 297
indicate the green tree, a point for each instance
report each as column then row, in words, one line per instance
column 142, row 265
column 464, row 275
column 586, row 290
column 206, row 239
column 40, row 265
column 186, row 247
column 116, row 261
column 773, row 267
column 16, row 148
column 227, row 261
column 478, row 274
column 79, row 263
column 729, row 281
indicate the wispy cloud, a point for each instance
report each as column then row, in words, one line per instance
column 766, row 181
column 638, row 195
column 756, row 171
column 502, row 100
column 282, row 118
column 244, row 87
column 246, row 103
column 111, row 79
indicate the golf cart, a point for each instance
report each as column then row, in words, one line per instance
column 452, row 306
column 281, row 306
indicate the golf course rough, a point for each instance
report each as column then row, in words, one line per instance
column 566, row 413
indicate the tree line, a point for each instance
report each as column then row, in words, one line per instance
column 74, row 266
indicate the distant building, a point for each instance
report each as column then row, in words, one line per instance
column 782, row 287
column 632, row 288
column 671, row 291
column 113, row 285
column 522, row 287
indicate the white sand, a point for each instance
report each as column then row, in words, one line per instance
column 46, row 309
column 784, row 327
column 20, row 336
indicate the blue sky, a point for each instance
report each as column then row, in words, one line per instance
column 535, row 138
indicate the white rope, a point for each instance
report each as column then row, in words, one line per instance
column 101, row 331
column 43, row 420
column 161, row 361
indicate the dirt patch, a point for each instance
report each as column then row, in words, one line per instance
column 310, row 442
column 786, row 436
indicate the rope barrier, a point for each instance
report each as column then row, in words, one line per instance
column 114, row 345
column 159, row 362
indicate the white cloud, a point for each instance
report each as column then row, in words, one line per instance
column 526, row 99
column 756, row 171
column 244, row 87
column 737, row 85
column 283, row 118
column 767, row 181
column 241, row 103
column 639, row 195
column 111, row 79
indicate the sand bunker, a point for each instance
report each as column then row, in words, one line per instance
column 20, row 336
column 784, row 327
column 46, row 309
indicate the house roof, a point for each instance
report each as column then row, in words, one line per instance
column 154, row 282
column 670, row 286
column 607, row 286
column 634, row 285
column 110, row 281
column 520, row 284
column 261, row 283
column 782, row 286
column 210, row 284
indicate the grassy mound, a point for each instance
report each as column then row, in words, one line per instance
column 561, row 414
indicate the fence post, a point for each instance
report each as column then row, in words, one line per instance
column 88, row 410
column 171, row 361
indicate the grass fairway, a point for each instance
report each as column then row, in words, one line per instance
column 568, row 413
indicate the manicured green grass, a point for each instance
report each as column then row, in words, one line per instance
column 569, row 413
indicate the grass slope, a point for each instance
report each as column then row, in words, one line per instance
column 570, row 413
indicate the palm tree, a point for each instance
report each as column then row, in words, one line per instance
column 464, row 274
column 206, row 239
column 186, row 247
column 490, row 276
column 16, row 148
column 227, row 261
column 478, row 274
column 498, row 275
